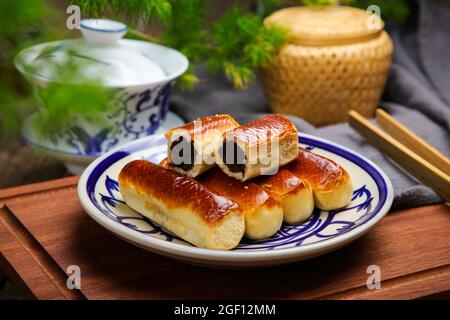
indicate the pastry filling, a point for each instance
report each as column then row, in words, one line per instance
column 182, row 154
column 233, row 156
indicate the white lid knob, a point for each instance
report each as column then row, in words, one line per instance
column 102, row 31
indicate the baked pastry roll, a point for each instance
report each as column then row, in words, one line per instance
column 165, row 163
column 296, row 195
column 330, row 183
column 257, row 148
column 191, row 147
column 262, row 210
column 182, row 205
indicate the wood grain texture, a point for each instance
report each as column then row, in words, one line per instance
column 36, row 188
column 427, row 173
column 411, row 247
column 17, row 260
column 412, row 141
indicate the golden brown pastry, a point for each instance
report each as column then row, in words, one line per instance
column 191, row 147
column 182, row 205
column 330, row 183
column 257, row 148
column 165, row 163
column 295, row 193
column 262, row 210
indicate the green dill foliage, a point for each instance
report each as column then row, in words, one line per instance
column 72, row 94
column 22, row 24
column 243, row 44
column 17, row 19
column 18, row 16
column 132, row 9
column 66, row 101
column 186, row 30
column 238, row 44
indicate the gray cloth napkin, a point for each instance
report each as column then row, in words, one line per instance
column 417, row 94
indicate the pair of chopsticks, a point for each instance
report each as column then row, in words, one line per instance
column 407, row 149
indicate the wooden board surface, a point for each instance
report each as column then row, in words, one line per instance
column 43, row 230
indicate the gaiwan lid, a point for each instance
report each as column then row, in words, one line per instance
column 102, row 56
column 328, row 25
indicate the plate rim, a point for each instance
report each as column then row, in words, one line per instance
column 196, row 253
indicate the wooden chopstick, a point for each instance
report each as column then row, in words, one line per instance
column 413, row 141
column 402, row 155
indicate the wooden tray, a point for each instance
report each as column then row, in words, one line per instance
column 43, row 230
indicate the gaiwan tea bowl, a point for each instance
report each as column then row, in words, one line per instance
column 140, row 75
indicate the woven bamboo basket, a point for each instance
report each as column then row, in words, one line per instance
column 333, row 63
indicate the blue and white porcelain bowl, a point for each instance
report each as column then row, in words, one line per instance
column 140, row 75
column 325, row 231
column 69, row 151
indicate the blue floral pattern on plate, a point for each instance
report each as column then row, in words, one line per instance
column 369, row 196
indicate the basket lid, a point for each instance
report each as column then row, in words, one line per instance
column 329, row 25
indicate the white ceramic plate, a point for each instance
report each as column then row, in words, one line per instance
column 325, row 231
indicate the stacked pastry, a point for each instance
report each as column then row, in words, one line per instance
column 221, row 181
